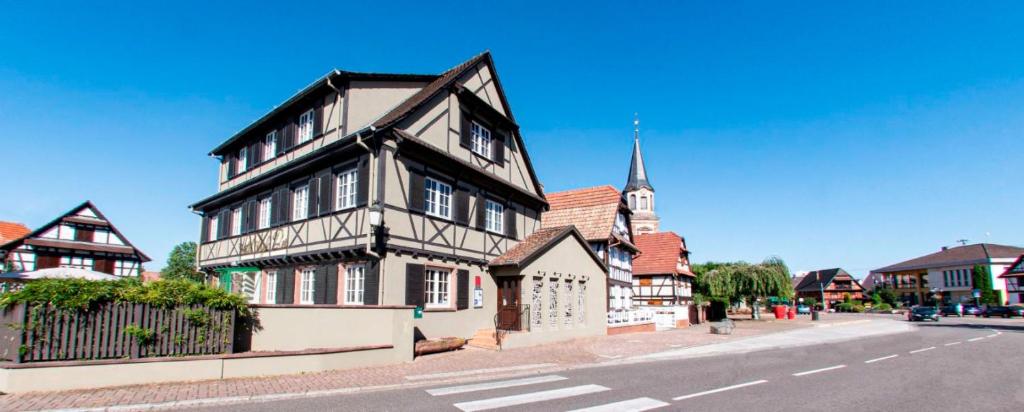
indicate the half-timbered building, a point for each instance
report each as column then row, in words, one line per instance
column 383, row 189
column 81, row 238
column 829, row 286
column 603, row 218
column 661, row 273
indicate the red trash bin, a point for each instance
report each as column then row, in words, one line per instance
column 792, row 313
column 780, row 312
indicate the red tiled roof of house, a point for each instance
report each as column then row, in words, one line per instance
column 12, row 230
column 591, row 210
column 659, row 254
column 526, row 248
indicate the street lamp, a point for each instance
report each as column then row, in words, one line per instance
column 376, row 215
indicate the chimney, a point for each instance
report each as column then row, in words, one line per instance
column 944, row 248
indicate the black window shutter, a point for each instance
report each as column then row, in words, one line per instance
column 318, row 119
column 279, row 288
column 416, row 193
column 280, row 139
column 363, row 182
column 481, row 211
column 372, row 285
column 462, row 298
column 275, row 206
column 288, row 134
column 286, row 275
column 466, row 136
column 254, row 214
column 255, row 154
column 414, row 284
column 326, row 196
column 461, row 206
column 498, row 149
column 204, row 236
column 320, row 286
column 312, row 195
column 231, row 165
column 225, row 223
column 331, row 285
column 246, row 217
column 510, row 222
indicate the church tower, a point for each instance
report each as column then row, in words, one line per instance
column 638, row 191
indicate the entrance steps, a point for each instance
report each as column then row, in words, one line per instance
column 485, row 339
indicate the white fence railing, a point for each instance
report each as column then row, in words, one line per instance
column 625, row 317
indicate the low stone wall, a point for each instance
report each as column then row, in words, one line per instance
column 643, row 327
column 301, row 327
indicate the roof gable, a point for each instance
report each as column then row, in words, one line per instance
column 85, row 213
column 592, row 210
column 534, row 245
column 1015, row 269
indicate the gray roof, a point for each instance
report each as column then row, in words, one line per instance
column 637, row 172
column 978, row 253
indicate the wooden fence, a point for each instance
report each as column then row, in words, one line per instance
column 40, row 333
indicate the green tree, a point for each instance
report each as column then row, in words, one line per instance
column 181, row 264
column 887, row 295
column 982, row 280
column 744, row 282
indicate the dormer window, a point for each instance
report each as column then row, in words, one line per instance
column 306, row 126
column 270, row 145
column 481, row 140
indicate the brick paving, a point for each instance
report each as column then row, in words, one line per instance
column 563, row 354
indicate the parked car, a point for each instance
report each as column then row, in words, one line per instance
column 1003, row 311
column 922, row 313
column 972, row 310
column 803, row 309
column 950, row 310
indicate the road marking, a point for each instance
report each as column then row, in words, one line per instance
column 953, row 343
column 819, row 370
column 880, row 359
column 494, row 385
column 632, row 405
column 514, row 400
column 991, row 336
column 975, row 339
column 610, row 356
column 479, row 371
column 727, row 388
column 675, row 346
column 922, row 350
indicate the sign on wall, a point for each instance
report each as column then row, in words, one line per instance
column 478, row 295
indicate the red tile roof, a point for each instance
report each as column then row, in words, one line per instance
column 591, row 210
column 148, row 276
column 12, row 230
column 659, row 254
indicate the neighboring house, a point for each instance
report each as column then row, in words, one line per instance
column 829, row 286
column 82, row 238
column 661, row 273
column 148, row 276
column 10, row 231
column 370, row 189
column 1013, row 280
column 947, row 272
column 638, row 191
column 601, row 215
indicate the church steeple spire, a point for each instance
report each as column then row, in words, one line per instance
column 637, row 172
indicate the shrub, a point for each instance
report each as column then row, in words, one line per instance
column 844, row 307
column 810, row 301
column 87, row 294
column 883, row 307
column 858, row 308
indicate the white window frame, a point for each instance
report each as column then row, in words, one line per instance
column 77, row 262
column 437, row 198
column 271, row 295
column 346, row 182
column 494, row 218
column 263, row 213
column 236, row 221
column 300, row 203
column 243, row 160
column 307, row 289
column 305, row 132
column 480, row 139
column 270, row 145
column 437, row 288
column 212, row 229
column 355, row 284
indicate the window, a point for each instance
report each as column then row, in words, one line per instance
column 76, row 262
column 300, row 202
column 481, row 140
column 270, row 145
column 308, row 286
column 436, row 288
column 438, row 198
column 493, row 221
column 306, row 126
column 632, row 202
column 355, row 284
column 263, row 213
column 212, row 229
column 643, row 202
column 236, row 221
column 346, row 190
column 272, row 286
column 124, row 268
column 243, row 160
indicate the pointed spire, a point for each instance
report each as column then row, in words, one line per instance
column 637, row 172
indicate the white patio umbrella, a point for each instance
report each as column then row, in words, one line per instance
column 58, row 273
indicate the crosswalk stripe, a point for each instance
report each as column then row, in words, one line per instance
column 506, row 401
column 632, row 405
column 494, row 385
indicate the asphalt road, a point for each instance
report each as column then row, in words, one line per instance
column 957, row 364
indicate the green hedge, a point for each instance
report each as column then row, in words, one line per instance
column 86, row 294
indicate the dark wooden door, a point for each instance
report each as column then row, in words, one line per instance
column 509, row 308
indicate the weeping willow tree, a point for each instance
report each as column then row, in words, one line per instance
column 745, row 282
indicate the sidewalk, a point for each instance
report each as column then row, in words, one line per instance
column 463, row 365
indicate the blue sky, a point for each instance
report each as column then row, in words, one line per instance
column 842, row 134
